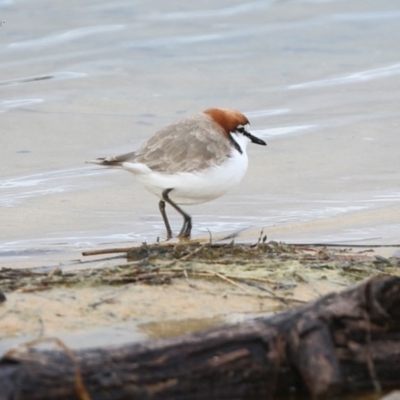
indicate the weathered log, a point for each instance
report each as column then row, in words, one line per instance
column 343, row 342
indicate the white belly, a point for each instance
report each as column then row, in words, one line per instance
column 193, row 188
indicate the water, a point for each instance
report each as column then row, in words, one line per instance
column 318, row 80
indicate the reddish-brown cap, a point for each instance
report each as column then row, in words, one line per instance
column 228, row 119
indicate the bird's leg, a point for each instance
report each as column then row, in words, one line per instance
column 161, row 205
column 187, row 220
column 187, row 226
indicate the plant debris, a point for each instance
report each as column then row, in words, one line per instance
column 272, row 269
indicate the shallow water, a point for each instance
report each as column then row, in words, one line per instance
column 318, row 80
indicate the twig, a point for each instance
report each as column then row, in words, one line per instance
column 224, row 278
column 232, row 235
column 185, row 257
column 108, row 300
column 268, row 296
column 210, row 234
column 348, row 245
column 185, row 274
column 107, row 251
column 248, row 282
column 260, row 238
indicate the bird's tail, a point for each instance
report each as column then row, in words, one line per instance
column 113, row 161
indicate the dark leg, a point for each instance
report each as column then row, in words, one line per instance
column 187, row 220
column 161, row 205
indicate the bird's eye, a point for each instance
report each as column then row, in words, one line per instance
column 240, row 129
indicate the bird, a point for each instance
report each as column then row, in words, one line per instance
column 194, row 160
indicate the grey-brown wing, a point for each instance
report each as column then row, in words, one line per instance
column 189, row 145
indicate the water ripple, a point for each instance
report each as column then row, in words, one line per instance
column 6, row 104
column 283, row 130
column 267, row 113
column 362, row 76
column 54, row 75
column 67, row 36
column 13, row 190
column 221, row 12
column 366, row 16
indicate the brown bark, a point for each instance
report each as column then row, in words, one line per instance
column 343, row 342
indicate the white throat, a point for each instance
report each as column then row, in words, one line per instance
column 241, row 140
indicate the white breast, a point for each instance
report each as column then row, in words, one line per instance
column 195, row 187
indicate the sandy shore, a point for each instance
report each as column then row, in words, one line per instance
column 165, row 290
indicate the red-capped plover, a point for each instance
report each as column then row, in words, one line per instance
column 191, row 161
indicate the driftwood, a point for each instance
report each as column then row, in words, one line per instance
column 343, row 342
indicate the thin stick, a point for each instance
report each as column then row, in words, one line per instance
column 348, row 245
column 212, row 274
column 185, row 257
column 232, row 282
column 107, row 251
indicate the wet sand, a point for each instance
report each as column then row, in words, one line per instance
column 318, row 80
